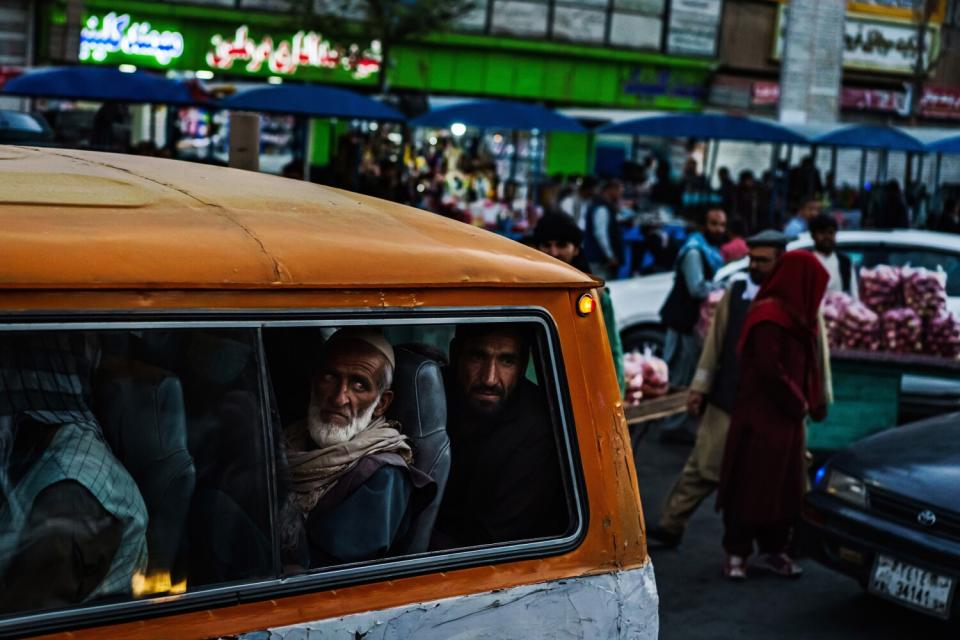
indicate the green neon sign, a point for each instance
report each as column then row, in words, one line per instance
column 238, row 49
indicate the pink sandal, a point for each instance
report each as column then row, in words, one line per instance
column 735, row 567
column 781, row 564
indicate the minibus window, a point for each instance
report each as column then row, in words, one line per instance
column 159, row 460
column 408, row 439
column 132, row 464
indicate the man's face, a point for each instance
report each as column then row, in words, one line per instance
column 825, row 240
column 560, row 249
column 810, row 210
column 345, row 394
column 488, row 369
column 762, row 261
column 716, row 226
column 613, row 193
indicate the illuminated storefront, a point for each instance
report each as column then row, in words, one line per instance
column 636, row 54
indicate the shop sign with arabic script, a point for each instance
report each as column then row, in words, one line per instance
column 150, row 40
column 875, row 45
column 117, row 33
column 285, row 57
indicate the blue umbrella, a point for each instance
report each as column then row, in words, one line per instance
column 870, row 137
column 100, row 84
column 498, row 114
column 708, row 126
column 311, row 100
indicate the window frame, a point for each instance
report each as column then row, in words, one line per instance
column 340, row 576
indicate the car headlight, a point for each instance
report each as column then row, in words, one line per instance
column 846, row 487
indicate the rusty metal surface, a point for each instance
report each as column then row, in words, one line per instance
column 622, row 604
column 88, row 219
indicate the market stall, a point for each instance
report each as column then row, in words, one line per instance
column 901, row 326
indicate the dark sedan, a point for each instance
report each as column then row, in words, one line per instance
column 886, row 511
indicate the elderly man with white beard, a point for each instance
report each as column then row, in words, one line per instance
column 352, row 484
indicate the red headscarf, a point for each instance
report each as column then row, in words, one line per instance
column 791, row 298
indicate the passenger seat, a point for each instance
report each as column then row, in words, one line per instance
column 420, row 405
column 142, row 413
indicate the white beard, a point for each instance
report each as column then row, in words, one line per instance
column 326, row 434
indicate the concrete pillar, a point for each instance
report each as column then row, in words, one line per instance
column 812, row 65
column 245, row 140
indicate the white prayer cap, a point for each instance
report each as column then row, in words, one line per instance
column 373, row 337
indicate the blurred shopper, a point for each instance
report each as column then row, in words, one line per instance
column 735, row 247
column 694, row 187
column 950, row 220
column 843, row 277
column 665, row 191
column 576, row 204
column 713, row 391
column 559, row 236
column 727, row 190
column 781, row 382
column 603, row 239
column 747, row 201
column 892, row 213
column 805, row 180
column 808, row 210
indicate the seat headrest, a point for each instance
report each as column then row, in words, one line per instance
column 419, row 401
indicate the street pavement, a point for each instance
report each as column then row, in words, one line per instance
column 697, row 602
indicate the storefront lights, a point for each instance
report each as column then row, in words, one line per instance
column 117, row 33
column 275, row 80
column 127, row 68
column 458, row 128
column 304, row 49
column 203, row 74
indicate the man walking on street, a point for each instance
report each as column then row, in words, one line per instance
column 698, row 261
column 603, row 240
column 713, row 391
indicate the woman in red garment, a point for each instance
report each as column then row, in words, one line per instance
column 761, row 482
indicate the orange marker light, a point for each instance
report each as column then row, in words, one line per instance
column 586, row 304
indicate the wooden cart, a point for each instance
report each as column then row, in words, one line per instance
column 866, row 388
column 671, row 404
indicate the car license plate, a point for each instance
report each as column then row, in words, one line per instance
column 912, row 586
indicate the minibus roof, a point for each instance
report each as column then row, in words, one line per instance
column 82, row 219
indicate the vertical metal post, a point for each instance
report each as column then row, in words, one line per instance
column 305, row 146
column 833, row 164
column 514, row 158
column 936, row 175
column 714, row 155
column 863, row 168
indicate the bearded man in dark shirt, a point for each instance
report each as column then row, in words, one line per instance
column 505, row 482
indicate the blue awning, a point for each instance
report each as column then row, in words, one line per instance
column 499, row 114
column 870, row 137
column 950, row 144
column 311, row 100
column 100, row 84
column 707, row 126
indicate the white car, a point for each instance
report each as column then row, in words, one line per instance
column 637, row 301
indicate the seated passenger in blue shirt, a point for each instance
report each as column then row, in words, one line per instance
column 353, row 485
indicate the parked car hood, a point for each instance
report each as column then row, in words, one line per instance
column 920, row 460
